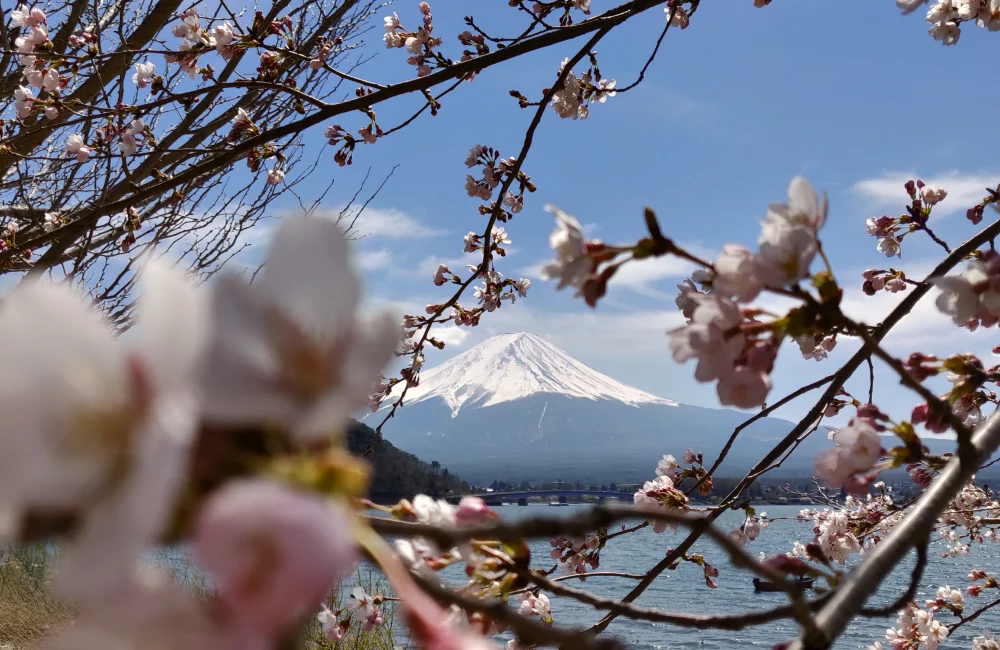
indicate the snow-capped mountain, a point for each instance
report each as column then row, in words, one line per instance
column 510, row 367
column 517, row 407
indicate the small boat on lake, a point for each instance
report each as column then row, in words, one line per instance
column 557, row 504
column 764, row 585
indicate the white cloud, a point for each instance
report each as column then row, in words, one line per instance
column 370, row 260
column 964, row 190
column 450, row 335
column 390, row 223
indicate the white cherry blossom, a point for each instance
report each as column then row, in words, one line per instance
column 291, row 350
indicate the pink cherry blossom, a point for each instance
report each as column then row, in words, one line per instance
column 744, row 388
column 273, row 551
column 76, row 147
column 858, row 448
column 736, row 274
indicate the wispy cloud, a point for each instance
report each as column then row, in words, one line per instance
column 964, row 189
column 371, row 260
column 388, row 223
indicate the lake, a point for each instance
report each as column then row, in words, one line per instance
column 684, row 590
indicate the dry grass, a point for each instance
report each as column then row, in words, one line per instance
column 27, row 609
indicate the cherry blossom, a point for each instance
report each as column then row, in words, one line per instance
column 667, row 467
column 275, row 176
column 128, row 143
column 46, row 80
column 21, row 16
column 985, row 642
column 606, row 88
column 889, row 246
column 788, row 239
column 274, row 552
column 565, row 101
column 23, row 101
column 75, row 146
column 144, row 74
column 916, row 627
column 113, row 447
column 736, row 274
column 360, row 602
column 744, row 387
column 290, row 350
column 536, row 605
column 332, row 628
column 223, row 35
column 660, row 493
column 709, row 338
column 572, row 265
column 858, row 448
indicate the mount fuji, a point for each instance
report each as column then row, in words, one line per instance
column 515, row 407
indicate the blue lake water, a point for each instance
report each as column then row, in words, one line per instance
column 684, row 590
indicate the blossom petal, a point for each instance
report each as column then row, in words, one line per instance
column 308, row 275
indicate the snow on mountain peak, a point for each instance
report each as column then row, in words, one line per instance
column 507, row 367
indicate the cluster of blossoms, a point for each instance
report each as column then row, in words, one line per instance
column 916, row 629
column 366, row 608
column 890, row 231
column 946, row 17
column 967, row 517
column 988, row 582
column 967, row 396
column 419, row 44
column 495, row 288
column 495, row 171
column 337, row 135
column 816, row 346
column 662, row 494
column 193, row 40
column 488, row 563
column 946, row 598
column 848, row 528
column 876, row 280
column 730, row 345
column 575, row 555
column 574, row 98
column 835, row 539
column 33, row 25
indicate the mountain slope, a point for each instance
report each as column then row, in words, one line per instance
column 516, row 407
column 508, row 367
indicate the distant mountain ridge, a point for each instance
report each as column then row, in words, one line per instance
column 515, row 407
column 509, row 367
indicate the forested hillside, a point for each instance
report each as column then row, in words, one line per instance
column 398, row 474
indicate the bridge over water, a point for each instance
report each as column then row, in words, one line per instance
column 562, row 496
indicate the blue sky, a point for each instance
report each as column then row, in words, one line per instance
column 850, row 95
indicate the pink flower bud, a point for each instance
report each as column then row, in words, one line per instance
column 472, row 510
